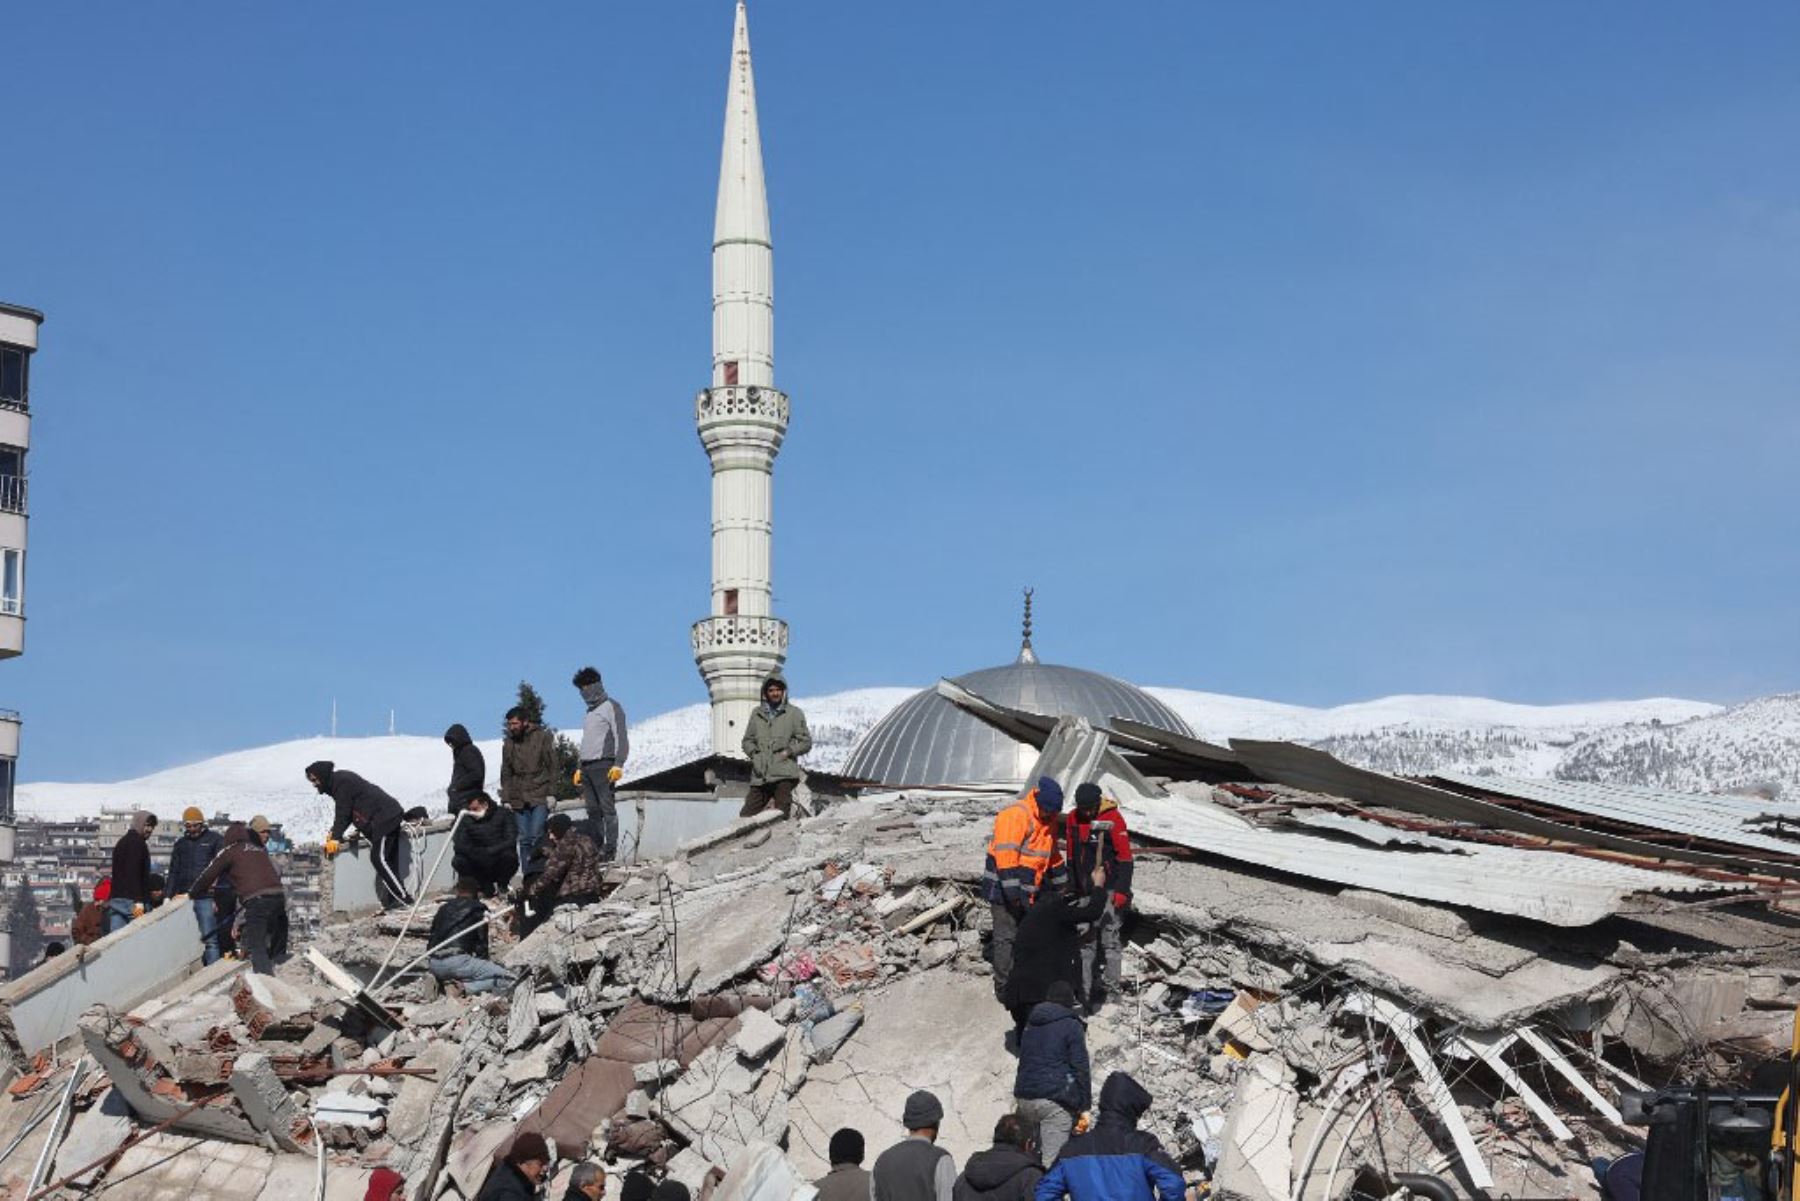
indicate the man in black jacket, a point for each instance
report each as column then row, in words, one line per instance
column 131, row 872
column 1008, row 1171
column 198, row 845
column 376, row 816
column 1048, row 947
column 468, row 767
column 464, row 960
column 1052, row 1085
column 486, row 845
column 519, row 1176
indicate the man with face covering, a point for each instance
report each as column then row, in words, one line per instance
column 604, row 748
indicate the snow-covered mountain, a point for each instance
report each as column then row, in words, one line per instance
column 1674, row 744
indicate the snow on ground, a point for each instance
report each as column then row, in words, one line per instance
column 1643, row 742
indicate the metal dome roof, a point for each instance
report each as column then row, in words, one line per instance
column 927, row 740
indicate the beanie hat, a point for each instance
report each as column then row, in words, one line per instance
column 192, row 814
column 846, row 1147
column 383, row 1184
column 922, row 1109
column 527, row 1147
column 1049, row 795
column 559, row 824
column 1087, row 797
column 1061, row 992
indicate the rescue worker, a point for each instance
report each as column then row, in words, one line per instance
column 1095, row 833
column 197, row 847
column 468, row 767
column 464, row 962
column 376, row 816
column 915, row 1168
column 774, row 739
column 571, row 873
column 131, row 872
column 1049, row 947
column 246, row 864
column 486, row 846
column 1052, row 1085
column 1115, row 1161
column 1021, row 855
column 604, row 748
column 527, row 777
column 260, row 829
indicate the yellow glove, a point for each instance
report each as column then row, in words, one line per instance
column 578, row 777
column 137, row 910
column 331, row 846
column 614, row 775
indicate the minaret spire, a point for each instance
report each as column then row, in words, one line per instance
column 742, row 420
column 1026, row 654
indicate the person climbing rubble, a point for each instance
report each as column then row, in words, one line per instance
column 848, row 1180
column 246, row 865
column 519, row 1176
column 571, row 874
column 459, row 942
column 1095, row 833
column 198, row 845
column 527, row 777
column 604, row 748
column 1007, row 1171
column 1052, row 1085
column 131, row 872
column 1021, row 855
column 1115, row 1161
column 376, row 816
column 468, row 768
column 774, row 739
column 485, row 847
column 915, row 1168
column 1049, row 946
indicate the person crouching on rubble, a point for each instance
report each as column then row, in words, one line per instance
column 459, row 943
column 245, row 863
column 519, row 1176
column 1052, row 1085
column 1095, row 833
column 571, row 872
column 1049, row 947
column 376, row 816
column 487, row 844
column 1115, row 1161
column 1021, row 855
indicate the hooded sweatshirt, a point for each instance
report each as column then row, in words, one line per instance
column 603, row 729
column 772, row 730
column 1001, row 1173
column 359, row 802
column 468, row 767
column 1053, row 1058
column 245, row 863
column 131, row 861
column 1115, row 1161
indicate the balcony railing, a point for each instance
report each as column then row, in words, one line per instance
column 13, row 489
column 20, row 404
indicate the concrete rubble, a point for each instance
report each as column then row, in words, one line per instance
column 718, row 1015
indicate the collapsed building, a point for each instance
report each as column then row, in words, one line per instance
column 1335, row 981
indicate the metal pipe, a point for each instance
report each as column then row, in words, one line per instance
column 430, row 951
column 129, row 1143
column 375, row 851
column 1426, row 1186
column 57, row 1126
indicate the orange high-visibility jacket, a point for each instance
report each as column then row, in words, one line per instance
column 1021, row 853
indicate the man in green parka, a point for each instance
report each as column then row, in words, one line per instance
column 773, row 742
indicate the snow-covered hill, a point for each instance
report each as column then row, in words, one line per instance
column 1664, row 743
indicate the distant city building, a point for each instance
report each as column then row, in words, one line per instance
column 18, row 342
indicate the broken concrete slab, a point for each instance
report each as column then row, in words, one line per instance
column 472, row 1155
column 92, row 1136
column 273, row 1008
column 758, row 1034
column 581, row 1100
column 827, row 1036
column 1256, row 1155
column 726, row 936
column 266, row 1102
column 173, row 1167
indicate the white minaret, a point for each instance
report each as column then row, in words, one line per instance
column 742, row 419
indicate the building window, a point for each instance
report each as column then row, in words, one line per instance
column 731, row 602
column 731, row 373
column 12, row 479
column 12, row 582
column 7, row 771
column 12, row 375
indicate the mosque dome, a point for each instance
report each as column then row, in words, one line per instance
column 927, row 740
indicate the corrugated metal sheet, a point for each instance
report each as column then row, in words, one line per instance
column 1713, row 818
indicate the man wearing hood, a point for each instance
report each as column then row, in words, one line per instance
column 1115, row 1161
column 604, row 748
column 486, row 847
column 1007, row 1171
column 131, row 872
column 245, row 863
column 774, row 739
column 1021, row 855
column 468, row 767
column 527, row 777
column 1095, row 833
column 376, row 816
column 196, row 848
column 1048, row 949
column 1052, row 1084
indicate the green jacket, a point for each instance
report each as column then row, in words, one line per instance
column 528, row 768
column 765, row 735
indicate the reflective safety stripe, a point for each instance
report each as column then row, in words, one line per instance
column 1005, row 846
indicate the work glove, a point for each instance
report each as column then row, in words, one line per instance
column 614, row 775
column 1083, row 1123
column 331, row 846
column 1120, row 900
column 578, row 777
column 137, row 910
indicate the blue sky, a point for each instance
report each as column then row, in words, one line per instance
column 1311, row 352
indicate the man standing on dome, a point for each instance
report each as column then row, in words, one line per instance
column 1021, row 853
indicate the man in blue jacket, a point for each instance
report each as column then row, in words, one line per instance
column 1115, row 1161
column 1052, row 1084
column 198, row 846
